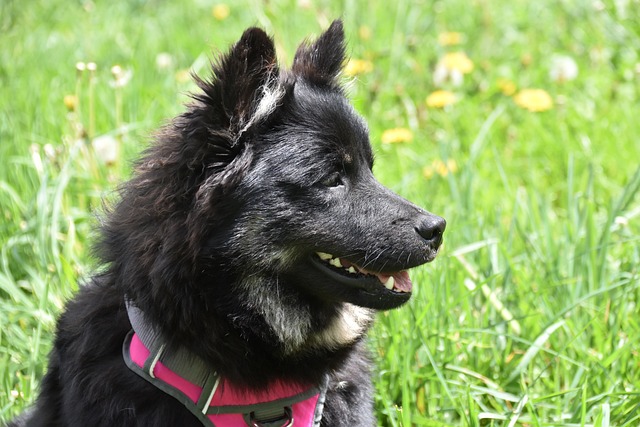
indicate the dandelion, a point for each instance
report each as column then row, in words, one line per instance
column 458, row 61
column 36, row 158
column 442, row 75
column 506, row 86
column 358, row 66
column 71, row 102
column 563, row 69
column 397, row 135
column 441, row 99
column 438, row 167
column 220, row 11
column 121, row 77
column 105, row 148
column 449, row 38
column 364, row 32
column 452, row 67
column 183, row 76
column 621, row 221
column 50, row 152
column 81, row 66
column 164, row 61
column 535, row 100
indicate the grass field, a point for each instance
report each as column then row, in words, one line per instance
column 529, row 317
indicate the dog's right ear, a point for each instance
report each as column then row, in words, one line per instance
column 240, row 80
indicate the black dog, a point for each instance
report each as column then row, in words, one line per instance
column 248, row 254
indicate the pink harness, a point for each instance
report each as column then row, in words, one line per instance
column 212, row 399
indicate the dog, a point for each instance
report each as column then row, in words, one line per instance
column 244, row 261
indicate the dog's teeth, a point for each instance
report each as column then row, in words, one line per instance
column 324, row 256
column 352, row 270
column 336, row 262
column 390, row 283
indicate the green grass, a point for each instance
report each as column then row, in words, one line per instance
column 529, row 317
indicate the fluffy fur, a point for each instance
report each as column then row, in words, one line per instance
column 215, row 239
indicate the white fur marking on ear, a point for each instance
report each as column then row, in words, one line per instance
column 271, row 96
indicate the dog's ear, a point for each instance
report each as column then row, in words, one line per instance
column 240, row 80
column 321, row 61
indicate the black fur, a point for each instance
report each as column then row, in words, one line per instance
column 215, row 239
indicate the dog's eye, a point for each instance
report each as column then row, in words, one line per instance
column 333, row 180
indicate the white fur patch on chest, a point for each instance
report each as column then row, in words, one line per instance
column 351, row 324
column 293, row 324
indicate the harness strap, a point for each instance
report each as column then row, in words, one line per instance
column 190, row 366
column 214, row 401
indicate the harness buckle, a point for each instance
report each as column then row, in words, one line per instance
column 285, row 419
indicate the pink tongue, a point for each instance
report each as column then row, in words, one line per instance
column 403, row 281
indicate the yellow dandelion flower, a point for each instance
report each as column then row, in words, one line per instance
column 449, row 38
column 183, row 76
column 535, row 100
column 458, row 61
column 396, row 135
column 358, row 66
column 71, row 102
column 364, row 32
column 440, row 99
column 221, row 11
column 506, row 86
column 438, row 167
column 428, row 172
column 526, row 59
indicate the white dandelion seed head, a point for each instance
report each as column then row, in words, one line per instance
column 164, row 61
column 105, row 148
column 563, row 68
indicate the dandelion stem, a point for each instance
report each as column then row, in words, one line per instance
column 92, row 119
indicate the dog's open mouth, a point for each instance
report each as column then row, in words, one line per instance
column 393, row 281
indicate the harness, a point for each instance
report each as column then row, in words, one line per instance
column 212, row 399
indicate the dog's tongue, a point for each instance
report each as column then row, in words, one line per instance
column 401, row 279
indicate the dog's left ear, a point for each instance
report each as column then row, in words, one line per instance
column 321, row 62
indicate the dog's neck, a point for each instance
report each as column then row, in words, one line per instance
column 349, row 324
column 298, row 327
column 295, row 330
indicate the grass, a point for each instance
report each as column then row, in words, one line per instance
column 530, row 315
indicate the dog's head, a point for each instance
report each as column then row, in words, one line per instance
column 308, row 209
column 266, row 181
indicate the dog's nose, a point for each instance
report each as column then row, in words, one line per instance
column 431, row 228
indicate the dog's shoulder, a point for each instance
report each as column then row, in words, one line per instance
column 350, row 392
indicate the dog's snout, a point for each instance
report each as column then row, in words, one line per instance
column 431, row 228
